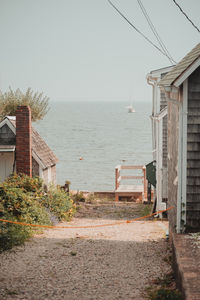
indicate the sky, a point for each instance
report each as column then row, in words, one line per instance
column 82, row 50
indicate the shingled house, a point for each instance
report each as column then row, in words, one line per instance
column 22, row 150
column 159, row 136
column 182, row 89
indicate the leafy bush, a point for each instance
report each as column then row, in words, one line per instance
column 59, row 203
column 78, row 197
column 39, row 104
column 23, row 199
column 165, row 294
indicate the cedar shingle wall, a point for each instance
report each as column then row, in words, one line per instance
column 193, row 152
column 173, row 133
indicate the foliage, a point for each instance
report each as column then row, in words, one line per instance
column 165, row 294
column 59, row 203
column 145, row 209
column 19, row 202
column 78, row 197
column 11, row 99
column 23, row 199
column 165, row 289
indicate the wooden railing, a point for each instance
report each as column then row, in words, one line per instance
column 132, row 188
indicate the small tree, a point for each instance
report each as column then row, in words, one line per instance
column 39, row 104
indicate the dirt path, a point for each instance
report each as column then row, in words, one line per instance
column 114, row 262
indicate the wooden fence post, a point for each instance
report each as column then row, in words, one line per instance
column 145, row 182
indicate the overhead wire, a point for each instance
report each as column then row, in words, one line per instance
column 153, row 29
column 134, row 27
column 186, row 15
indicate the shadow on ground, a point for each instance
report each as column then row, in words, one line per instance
column 81, row 268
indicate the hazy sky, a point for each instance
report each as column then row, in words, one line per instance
column 83, row 50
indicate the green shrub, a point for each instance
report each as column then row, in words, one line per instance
column 59, row 203
column 165, row 294
column 23, row 199
column 18, row 202
column 78, row 197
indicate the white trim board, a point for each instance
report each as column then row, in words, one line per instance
column 9, row 123
column 38, row 160
column 187, row 73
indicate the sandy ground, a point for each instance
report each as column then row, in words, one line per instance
column 111, row 262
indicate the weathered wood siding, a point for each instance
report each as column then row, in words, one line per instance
column 173, row 137
column 193, row 153
column 163, row 104
column 35, row 168
column 7, row 137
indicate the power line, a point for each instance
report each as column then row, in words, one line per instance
column 153, row 29
column 186, row 16
column 131, row 24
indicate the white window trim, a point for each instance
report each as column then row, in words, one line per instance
column 10, row 125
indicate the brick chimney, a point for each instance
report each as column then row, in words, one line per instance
column 23, row 140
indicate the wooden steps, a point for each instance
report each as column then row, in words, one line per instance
column 133, row 191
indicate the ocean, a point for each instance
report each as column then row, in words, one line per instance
column 103, row 134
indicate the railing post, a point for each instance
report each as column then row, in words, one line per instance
column 145, row 182
column 116, row 177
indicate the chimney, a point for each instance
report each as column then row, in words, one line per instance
column 23, row 140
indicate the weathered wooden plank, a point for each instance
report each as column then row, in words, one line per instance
column 194, row 155
column 193, row 128
column 193, row 172
column 193, row 181
column 193, row 96
column 193, row 206
column 193, row 119
column 193, row 189
column 193, row 164
column 130, row 188
column 131, row 167
column 193, row 103
column 131, row 177
column 193, row 146
column 194, row 87
column 193, row 137
column 193, row 197
column 193, row 111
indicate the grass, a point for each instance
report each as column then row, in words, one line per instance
column 163, row 289
column 144, row 209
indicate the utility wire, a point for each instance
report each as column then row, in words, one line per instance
column 131, row 24
column 186, row 16
column 153, row 29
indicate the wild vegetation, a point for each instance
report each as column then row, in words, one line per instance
column 37, row 101
column 23, row 199
column 164, row 288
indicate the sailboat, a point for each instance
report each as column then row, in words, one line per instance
column 130, row 109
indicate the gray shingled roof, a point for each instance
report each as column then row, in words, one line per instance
column 182, row 66
column 41, row 149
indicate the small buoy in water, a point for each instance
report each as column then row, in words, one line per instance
column 81, row 158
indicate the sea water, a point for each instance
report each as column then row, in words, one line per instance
column 91, row 138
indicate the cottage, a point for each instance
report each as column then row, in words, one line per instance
column 182, row 89
column 22, row 149
column 159, row 135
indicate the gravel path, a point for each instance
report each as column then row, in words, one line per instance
column 114, row 262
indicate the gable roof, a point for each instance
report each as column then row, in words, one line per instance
column 181, row 67
column 39, row 147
